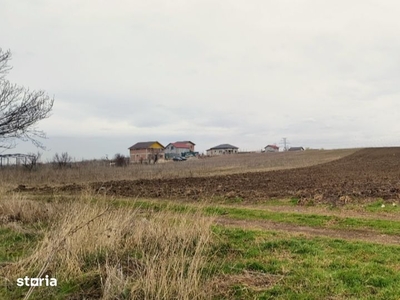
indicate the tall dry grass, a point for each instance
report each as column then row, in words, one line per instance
column 127, row 253
column 16, row 207
column 84, row 172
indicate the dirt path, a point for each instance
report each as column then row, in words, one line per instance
column 351, row 235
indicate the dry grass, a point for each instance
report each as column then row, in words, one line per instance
column 227, row 164
column 108, row 252
column 127, row 253
column 15, row 207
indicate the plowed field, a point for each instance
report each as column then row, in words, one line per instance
column 368, row 173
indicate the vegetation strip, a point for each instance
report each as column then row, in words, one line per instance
column 312, row 220
column 295, row 230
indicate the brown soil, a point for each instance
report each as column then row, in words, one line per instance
column 368, row 173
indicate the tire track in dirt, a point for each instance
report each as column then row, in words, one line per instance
column 350, row 235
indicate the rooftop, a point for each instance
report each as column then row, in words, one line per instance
column 143, row 145
column 224, row 146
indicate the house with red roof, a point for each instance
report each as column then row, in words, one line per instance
column 177, row 148
column 271, row 148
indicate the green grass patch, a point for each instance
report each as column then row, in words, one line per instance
column 313, row 220
column 281, row 202
column 382, row 206
column 309, row 268
column 14, row 245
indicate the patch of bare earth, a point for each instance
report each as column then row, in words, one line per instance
column 351, row 235
column 255, row 281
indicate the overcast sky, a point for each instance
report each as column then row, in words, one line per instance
column 323, row 74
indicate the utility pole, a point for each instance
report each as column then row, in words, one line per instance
column 285, row 143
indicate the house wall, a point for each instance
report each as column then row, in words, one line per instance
column 137, row 155
column 171, row 151
column 221, row 151
column 190, row 147
column 140, row 155
column 270, row 149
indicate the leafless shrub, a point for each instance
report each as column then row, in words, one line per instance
column 63, row 160
column 120, row 160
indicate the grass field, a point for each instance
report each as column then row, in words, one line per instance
column 108, row 247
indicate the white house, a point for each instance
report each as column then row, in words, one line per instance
column 176, row 149
column 271, row 148
column 222, row 149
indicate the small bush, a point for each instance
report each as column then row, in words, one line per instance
column 120, row 160
column 63, row 160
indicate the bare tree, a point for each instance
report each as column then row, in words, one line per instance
column 20, row 109
column 62, row 160
column 31, row 160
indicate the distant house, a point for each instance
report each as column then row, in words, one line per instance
column 296, row 149
column 177, row 148
column 146, row 152
column 271, row 148
column 189, row 144
column 222, row 149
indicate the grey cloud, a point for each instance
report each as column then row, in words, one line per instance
column 320, row 73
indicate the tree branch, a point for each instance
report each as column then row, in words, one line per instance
column 20, row 109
